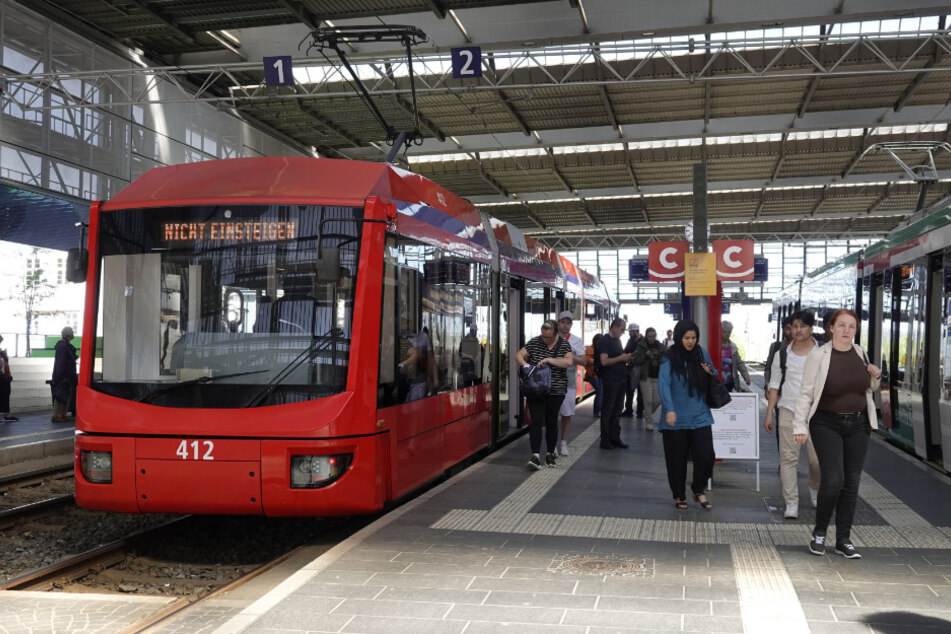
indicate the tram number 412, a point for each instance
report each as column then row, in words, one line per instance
column 196, row 450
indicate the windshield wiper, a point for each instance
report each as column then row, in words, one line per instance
column 305, row 355
column 199, row 380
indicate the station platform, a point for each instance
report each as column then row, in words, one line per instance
column 596, row 545
column 34, row 441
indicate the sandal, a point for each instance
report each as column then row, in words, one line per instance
column 681, row 504
column 704, row 503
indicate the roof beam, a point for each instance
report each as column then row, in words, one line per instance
column 557, row 172
column 606, row 100
column 168, row 22
column 313, row 114
column 822, row 199
column 437, row 8
column 302, row 13
column 920, row 78
column 858, row 155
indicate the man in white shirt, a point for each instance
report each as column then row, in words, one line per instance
column 565, row 319
column 783, row 390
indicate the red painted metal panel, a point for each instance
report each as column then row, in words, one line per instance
column 164, row 486
column 419, row 459
column 197, row 449
column 327, row 417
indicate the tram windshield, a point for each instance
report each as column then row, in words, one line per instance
column 226, row 306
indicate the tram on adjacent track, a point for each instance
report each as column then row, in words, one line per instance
column 901, row 289
column 300, row 336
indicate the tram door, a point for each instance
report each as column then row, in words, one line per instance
column 870, row 338
column 942, row 313
column 908, row 326
column 510, row 340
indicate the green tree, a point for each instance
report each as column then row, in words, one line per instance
column 32, row 292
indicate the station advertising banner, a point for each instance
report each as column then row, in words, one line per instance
column 734, row 260
column 665, row 262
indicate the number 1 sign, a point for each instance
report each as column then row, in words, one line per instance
column 278, row 71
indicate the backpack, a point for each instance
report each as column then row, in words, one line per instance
column 783, row 354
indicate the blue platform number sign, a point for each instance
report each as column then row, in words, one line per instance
column 466, row 62
column 278, row 71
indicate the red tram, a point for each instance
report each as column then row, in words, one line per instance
column 298, row 336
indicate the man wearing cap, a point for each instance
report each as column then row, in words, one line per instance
column 568, row 405
column 633, row 374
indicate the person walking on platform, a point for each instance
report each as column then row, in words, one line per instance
column 633, row 375
column 783, row 390
column 591, row 374
column 64, row 380
column 6, row 378
column 647, row 356
column 731, row 361
column 614, row 380
column 669, row 340
column 577, row 352
column 835, row 407
column 683, row 383
column 775, row 346
column 547, row 349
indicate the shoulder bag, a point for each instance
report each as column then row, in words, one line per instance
column 717, row 394
column 534, row 381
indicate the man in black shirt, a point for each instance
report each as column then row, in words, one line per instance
column 633, row 375
column 614, row 378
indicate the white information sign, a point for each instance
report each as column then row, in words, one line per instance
column 736, row 428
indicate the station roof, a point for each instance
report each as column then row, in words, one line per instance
column 590, row 115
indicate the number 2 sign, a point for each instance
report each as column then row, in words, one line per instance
column 466, row 62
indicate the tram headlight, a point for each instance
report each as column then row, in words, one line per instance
column 313, row 472
column 97, row 466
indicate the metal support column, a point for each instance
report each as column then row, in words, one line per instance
column 700, row 244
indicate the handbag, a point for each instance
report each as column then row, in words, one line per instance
column 717, row 394
column 535, row 381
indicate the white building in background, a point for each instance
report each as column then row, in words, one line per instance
column 63, row 307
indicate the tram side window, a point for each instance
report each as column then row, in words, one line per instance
column 435, row 305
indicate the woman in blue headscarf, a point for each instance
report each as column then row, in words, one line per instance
column 683, row 382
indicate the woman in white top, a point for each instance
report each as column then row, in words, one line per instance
column 835, row 407
column 783, row 390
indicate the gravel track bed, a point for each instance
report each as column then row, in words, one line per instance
column 13, row 495
column 192, row 558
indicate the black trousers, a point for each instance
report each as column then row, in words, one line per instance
column 678, row 444
column 841, row 446
column 544, row 413
column 611, row 411
column 4, row 395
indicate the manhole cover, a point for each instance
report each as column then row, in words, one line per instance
column 604, row 565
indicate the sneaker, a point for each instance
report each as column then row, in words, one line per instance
column 550, row 460
column 847, row 550
column 792, row 511
column 10, row 418
column 817, row 545
column 627, row 413
column 563, row 448
column 814, row 497
column 650, row 426
column 534, row 464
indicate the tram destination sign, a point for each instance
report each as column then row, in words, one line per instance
column 228, row 231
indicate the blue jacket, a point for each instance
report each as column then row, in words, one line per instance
column 692, row 411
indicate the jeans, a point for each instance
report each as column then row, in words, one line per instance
column 544, row 413
column 840, row 446
column 598, row 393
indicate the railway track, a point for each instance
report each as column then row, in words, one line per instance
column 28, row 493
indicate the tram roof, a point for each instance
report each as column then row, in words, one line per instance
column 286, row 179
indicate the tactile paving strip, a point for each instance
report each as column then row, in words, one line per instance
column 768, row 600
column 906, row 529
